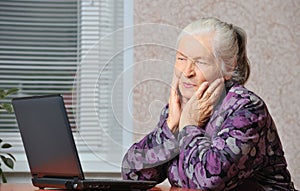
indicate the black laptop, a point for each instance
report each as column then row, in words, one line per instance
column 51, row 150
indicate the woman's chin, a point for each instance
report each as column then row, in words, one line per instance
column 187, row 95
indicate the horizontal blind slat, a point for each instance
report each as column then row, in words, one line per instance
column 40, row 54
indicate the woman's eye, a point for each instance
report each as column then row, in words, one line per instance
column 181, row 58
column 200, row 62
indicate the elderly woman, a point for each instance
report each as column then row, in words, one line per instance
column 214, row 134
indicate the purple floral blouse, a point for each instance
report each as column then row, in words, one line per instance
column 239, row 145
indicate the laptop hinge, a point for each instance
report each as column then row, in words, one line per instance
column 75, row 182
column 72, row 184
column 66, row 183
column 76, row 179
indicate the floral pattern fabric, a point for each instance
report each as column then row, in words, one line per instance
column 239, row 145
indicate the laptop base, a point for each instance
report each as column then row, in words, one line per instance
column 92, row 184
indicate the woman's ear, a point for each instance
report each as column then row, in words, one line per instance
column 227, row 77
column 230, row 71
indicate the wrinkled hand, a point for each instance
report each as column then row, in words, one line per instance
column 174, row 105
column 200, row 107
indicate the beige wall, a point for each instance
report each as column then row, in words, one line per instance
column 273, row 28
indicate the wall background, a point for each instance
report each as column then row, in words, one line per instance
column 273, row 29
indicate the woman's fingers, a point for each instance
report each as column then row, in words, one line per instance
column 217, row 93
column 174, row 94
column 210, row 92
column 212, row 87
column 201, row 90
column 175, row 82
column 200, row 107
column 174, row 105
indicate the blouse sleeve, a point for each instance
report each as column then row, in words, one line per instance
column 223, row 160
column 148, row 159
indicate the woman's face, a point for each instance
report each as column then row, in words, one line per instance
column 195, row 63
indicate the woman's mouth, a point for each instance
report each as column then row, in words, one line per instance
column 188, row 85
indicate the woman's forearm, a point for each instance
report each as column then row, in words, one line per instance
column 148, row 159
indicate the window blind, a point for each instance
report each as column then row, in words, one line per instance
column 59, row 46
column 99, row 68
column 38, row 53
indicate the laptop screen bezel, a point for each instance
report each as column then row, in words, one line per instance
column 28, row 112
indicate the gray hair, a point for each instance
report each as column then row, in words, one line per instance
column 228, row 44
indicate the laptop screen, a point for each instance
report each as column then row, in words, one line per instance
column 47, row 136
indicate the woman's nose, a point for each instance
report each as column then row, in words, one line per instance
column 189, row 69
